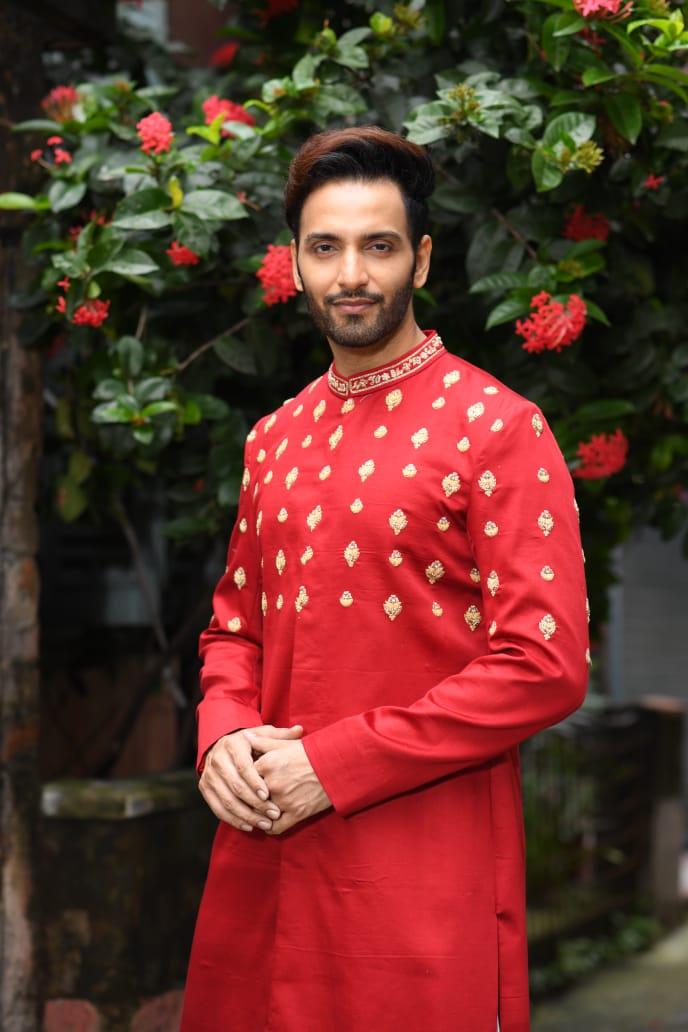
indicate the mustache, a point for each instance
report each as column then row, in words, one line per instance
column 353, row 295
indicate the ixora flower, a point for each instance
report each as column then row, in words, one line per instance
column 215, row 106
column 552, row 325
column 155, row 132
column 276, row 276
column 91, row 313
column 580, row 225
column 602, row 455
column 609, row 9
column 60, row 103
column 653, row 182
column 58, row 154
column 224, row 55
column 181, row 255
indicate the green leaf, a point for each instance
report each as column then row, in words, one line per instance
column 45, row 125
column 145, row 209
column 143, row 434
column 71, row 499
column 499, row 281
column 154, row 388
column 157, row 408
column 213, row 205
column 130, row 354
column 625, row 113
column 595, row 312
column 192, row 414
column 575, row 124
column 507, row 310
column 80, row 466
column 64, row 195
column 546, row 174
column 131, row 263
column 337, row 100
column 17, row 202
column 601, row 411
column 435, row 20
column 108, row 389
column 236, row 354
column 595, row 74
column 113, row 412
column 555, row 45
column 674, row 136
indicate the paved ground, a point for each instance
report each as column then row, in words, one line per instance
column 643, row 994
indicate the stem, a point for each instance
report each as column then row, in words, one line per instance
column 502, row 219
column 209, row 343
column 142, row 322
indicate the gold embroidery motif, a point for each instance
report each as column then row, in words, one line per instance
column 547, row 573
column 356, row 505
column 451, row 484
column 336, row 437
column 497, row 426
column 475, row 411
column 434, row 571
column 387, row 374
column 348, row 406
column 240, row 577
column 351, row 553
column 270, row 423
column 297, row 411
column 587, row 609
column 380, row 432
column 443, row 524
column 487, row 482
column 464, row 444
column 420, row 437
column 491, row 390
column 396, row 558
column 279, row 601
column 307, row 441
column 366, row 470
column 546, row 522
column 392, row 606
column 491, row 529
column 548, row 626
column 451, row 378
column 281, row 448
column 393, row 399
column 243, row 525
column 398, row 521
column 282, row 516
column 260, row 457
column 588, row 658
column 313, row 518
column 268, row 477
column 246, row 479
column 307, row 555
column 437, row 609
column 493, row 583
column 439, row 403
column 280, row 562
column 251, row 436
column 259, row 520
column 492, row 628
column 346, row 599
column 264, row 603
column 537, row 424
column 410, row 470
column 302, row 599
column 319, row 410
column 325, row 472
column 473, row 617
column 234, row 624
column 291, row 476
column 543, row 475
column 314, row 385
column 475, row 575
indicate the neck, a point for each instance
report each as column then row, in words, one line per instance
column 351, row 361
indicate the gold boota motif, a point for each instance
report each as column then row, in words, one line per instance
column 291, row 477
column 543, row 475
column 336, row 437
column 587, row 609
column 302, row 599
column 270, row 423
column 451, row 484
column 492, row 628
column 473, row 617
column 396, row 558
column 409, row 471
column 475, row 411
column 268, row 477
column 437, row 609
column 547, row 573
column 475, row 575
column 487, row 482
column 251, row 436
column 346, row 599
column 392, row 606
column 240, row 577
column 264, row 603
column 279, row 601
column 243, row 525
column 280, row 562
column 351, row 553
column 356, row 506
column 319, row 410
column 439, row 403
column 366, row 470
column 259, row 521
column 393, row 399
column 548, row 626
column 314, row 517
column 491, row 529
column 307, row 441
column 546, row 522
column 497, row 426
column 380, row 432
column 398, row 521
column 493, row 583
column 450, row 378
column 348, row 406
column 281, row 448
column 234, row 624
column 282, row 515
column 434, row 571
column 420, row 437
column 306, row 555
column 297, row 411
column 443, row 524
column 491, row 390
column 537, row 424
column 324, row 472
column 245, row 479
column 260, row 457
column 588, row 657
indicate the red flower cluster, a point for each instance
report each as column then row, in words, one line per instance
column 610, row 9
column 60, row 102
column 99, row 218
column 653, row 182
column 594, row 40
column 224, row 55
column 155, row 132
column 602, row 455
column 181, row 255
column 59, row 155
column 552, row 325
column 276, row 276
column 215, row 106
column 90, row 313
column 580, row 225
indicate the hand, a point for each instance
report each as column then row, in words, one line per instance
column 231, row 784
column 293, row 784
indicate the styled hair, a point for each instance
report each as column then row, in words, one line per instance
column 364, row 154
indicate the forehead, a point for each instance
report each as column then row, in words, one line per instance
column 351, row 207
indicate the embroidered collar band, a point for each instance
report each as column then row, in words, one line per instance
column 383, row 376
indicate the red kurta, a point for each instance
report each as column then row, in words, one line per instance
column 405, row 579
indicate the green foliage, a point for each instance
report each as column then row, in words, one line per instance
column 529, row 109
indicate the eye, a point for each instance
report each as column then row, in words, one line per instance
column 380, row 247
column 323, row 248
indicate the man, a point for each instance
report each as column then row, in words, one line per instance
column 404, row 603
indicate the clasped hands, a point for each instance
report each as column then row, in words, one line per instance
column 261, row 777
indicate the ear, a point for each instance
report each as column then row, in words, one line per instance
column 423, row 252
column 298, row 283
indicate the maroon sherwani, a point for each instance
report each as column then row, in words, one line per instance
column 405, row 579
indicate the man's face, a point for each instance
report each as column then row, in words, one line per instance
column 355, row 263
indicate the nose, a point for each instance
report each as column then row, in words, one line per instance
column 352, row 272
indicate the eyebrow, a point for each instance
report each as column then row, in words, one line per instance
column 389, row 233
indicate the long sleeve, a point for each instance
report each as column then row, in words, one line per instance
column 523, row 529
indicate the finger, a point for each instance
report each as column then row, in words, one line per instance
column 264, row 743
column 232, row 773
column 233, row 811
column 278, row 733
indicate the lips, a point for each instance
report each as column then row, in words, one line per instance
column 353, row 306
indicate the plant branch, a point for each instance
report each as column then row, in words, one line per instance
column 512, row 231
column 209, row 343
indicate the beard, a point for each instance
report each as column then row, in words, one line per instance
column 360, row 331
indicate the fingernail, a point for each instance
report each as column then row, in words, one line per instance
column 264, row 825
column 262, row 794
column 246, row 827
column 272, row 814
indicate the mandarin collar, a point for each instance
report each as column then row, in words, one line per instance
column 384, row 375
